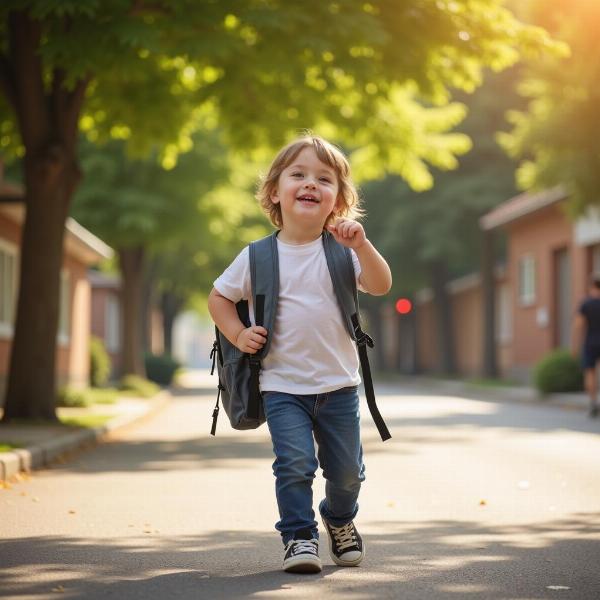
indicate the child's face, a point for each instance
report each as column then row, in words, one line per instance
column 307, row 190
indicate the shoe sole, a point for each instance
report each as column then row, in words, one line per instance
column 301, row 564
column 334, row 558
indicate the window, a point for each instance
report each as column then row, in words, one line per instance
column 65, row 308
column 8, row 287
column 112, row 331
column 527, row 280
column 503, row 314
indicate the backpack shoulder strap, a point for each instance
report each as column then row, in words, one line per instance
column 264, row 276
column 341, row 269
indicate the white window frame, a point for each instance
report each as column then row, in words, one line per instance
column 64, row 315
column 8, row 288
column 527, row 273
column 112, row 320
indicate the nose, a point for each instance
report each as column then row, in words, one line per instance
column 309, row 183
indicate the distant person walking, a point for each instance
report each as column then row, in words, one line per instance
column 587, row 322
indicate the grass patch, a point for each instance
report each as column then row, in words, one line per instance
column 102, row 395
column 87, row 421
column 8, row 447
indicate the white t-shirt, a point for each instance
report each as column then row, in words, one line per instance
column 311, row 351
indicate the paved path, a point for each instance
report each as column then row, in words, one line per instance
column 470, row 499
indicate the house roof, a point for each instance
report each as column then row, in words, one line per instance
column 79, row 242
column 521, row 206
column 104, row 280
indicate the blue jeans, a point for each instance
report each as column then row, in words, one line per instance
column 334, row 421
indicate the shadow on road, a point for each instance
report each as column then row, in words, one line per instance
column 447, row 559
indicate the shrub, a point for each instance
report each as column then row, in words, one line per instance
column 72, row 398
column 100, row 365
column 161, row 368
column 138, row 386
column 558, row 371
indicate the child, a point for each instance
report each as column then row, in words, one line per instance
column 310, row 376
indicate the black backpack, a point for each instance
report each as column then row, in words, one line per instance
column 239, row 372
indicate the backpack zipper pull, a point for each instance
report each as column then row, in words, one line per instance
column 213, row 356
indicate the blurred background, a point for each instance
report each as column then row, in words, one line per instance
column 133, row 135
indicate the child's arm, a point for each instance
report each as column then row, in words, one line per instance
column 224, row 314
column 375, row 276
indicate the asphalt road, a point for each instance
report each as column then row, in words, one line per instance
column 470, row 499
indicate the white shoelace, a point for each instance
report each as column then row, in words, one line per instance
column 344, row 536
column 304, row 546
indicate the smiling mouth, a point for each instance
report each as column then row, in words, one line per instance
column 311, row 199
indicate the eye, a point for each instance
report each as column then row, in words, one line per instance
column 297, row 174
column 325, row 179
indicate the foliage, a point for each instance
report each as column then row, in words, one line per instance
column 100, row 363
column 263, row 71
column 138, row 386
column 558, row 371
column 415, row 230
column 161, row 368
column 72, row 397
column 557, row 138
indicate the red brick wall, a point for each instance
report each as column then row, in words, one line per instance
column 539, row 235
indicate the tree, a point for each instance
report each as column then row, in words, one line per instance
column 151, row 71
column 150, row 215
column 180, row 226
column 434, row 236
column 557, row 138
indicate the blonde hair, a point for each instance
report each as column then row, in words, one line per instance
column 348, row 204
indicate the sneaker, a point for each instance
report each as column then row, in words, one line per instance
column 302, row 554
column 346, row 547
column 593, row 411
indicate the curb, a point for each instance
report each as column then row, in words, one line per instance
column 24, row 460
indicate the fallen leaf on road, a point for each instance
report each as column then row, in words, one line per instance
column 72, row 512
column 482, row 502
column 58, row 588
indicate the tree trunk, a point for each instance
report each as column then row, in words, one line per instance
column 443, row 312
column 47, row 117
column 131, row 263
column 30, row 392
column 171, row 306
column 489, row 367
column 148, row 299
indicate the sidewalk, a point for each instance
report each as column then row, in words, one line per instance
column 40, row 445
column 494, row 393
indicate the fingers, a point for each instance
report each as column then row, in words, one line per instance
column 348, row 232
column 252, row 339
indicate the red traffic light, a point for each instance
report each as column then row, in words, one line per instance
column 403, row 306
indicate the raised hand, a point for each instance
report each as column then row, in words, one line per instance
column 347, row 232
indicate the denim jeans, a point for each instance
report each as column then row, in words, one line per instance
column 334, row 421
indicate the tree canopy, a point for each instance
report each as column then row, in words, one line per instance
column 557, row 138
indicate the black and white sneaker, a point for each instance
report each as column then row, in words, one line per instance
column 302, row 554
column 346, row 547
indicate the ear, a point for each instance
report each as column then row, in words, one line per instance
column 339, row 203
column 275, row 196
